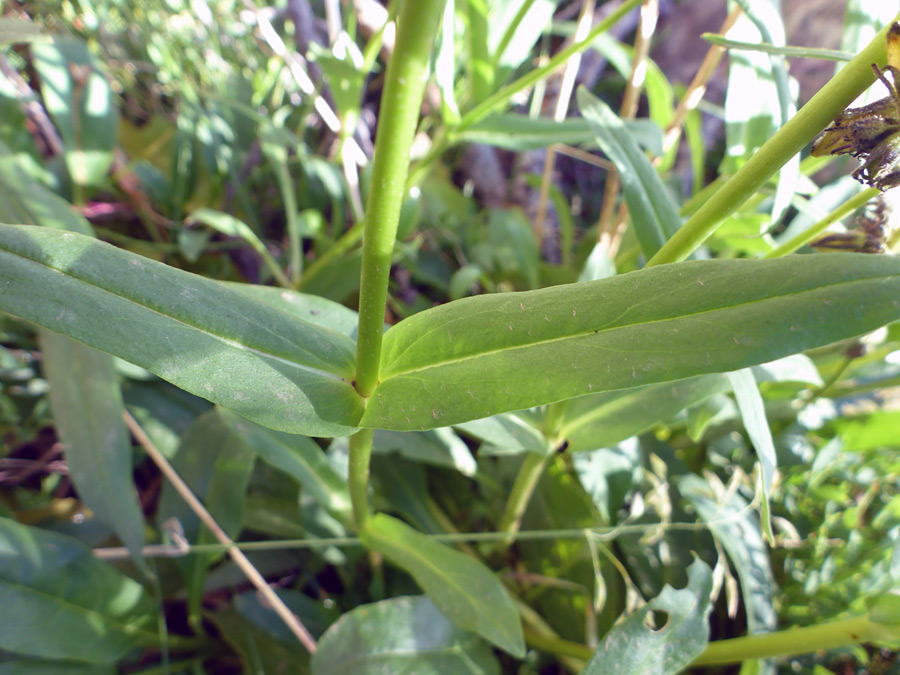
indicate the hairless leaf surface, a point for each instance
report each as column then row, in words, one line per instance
column 246, row 355
column 51, row 585
column 463, row 589
column 400, row 635
column 481, row 356
column 634, row 648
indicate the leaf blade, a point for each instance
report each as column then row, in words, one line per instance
column 209, row 340
column 87, row 411
column 463, row 589
column 481, row 356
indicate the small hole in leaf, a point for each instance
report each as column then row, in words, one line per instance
column 656, row 620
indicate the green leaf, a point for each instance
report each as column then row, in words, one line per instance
column 440, row 447
column 518, row 132
column 601, row 420
column 298, row 457
column 311, row 308
column 48, row 667
column 634, row 648
column 737, row 529
column 653, row 214
column 65, row 603
column 210, row 340
column 87, row 411
column 509, row 434
column 401, row 635
column 490, row 354
column 24, row 201
column 230, row 226
column 753, row 414
column 462, row 588
column 78, row 98
column 216, row 462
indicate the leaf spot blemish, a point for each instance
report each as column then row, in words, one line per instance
column 573, row 313
column 509, row 326
column 522, row 306
column 700, row 282
column 545, row 318
column 590, row 387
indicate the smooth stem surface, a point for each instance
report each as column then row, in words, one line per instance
column 400, row 103
column 526, row 481
column 811, row 233
column 795, row 641
column 827, row 104
column 358, row 480
column 766, row 645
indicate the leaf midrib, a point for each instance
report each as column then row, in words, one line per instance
column 599, row 331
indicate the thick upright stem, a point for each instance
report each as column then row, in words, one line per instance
column 400, row 103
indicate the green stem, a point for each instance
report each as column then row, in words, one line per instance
column 795, row 641
column 526, row 481
column 358, row 479
column 811, row 233
column 400, row 103
column 827, row 104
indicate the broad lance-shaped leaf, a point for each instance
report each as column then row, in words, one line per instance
column 60, row 602
column 485, row 355
column 87, row 407
column 212, row 341
column 463, row 589
column 633, row 648
column 401, row 635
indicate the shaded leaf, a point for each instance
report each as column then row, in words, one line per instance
column 401, row 635
column 216, row 463
column 440, row 447
column 87, row 411
column 298, row 457
column 737, row 529
column 66, row 603
column 601, row 420
column 462, row 588
column 633, row 648
column 197, row 334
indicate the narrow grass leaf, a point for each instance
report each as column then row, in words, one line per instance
column 753, row 414
column 462, row 588
column 653, row 214
column 201, row 336
column 482, row 356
